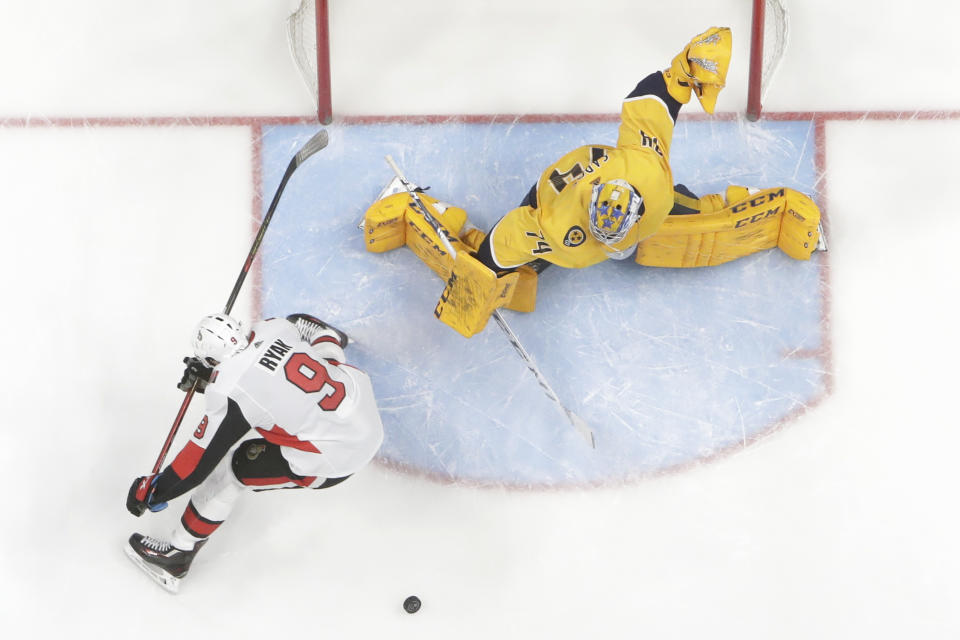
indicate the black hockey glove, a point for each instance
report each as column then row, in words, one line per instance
column 140, row 496
column 197, row 372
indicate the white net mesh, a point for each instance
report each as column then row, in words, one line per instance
column 302, row 38
column 776, row 32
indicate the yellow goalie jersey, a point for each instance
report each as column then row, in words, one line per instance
column 553, row 223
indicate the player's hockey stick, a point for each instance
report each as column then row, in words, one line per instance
column 314, row 144
column 578, row 423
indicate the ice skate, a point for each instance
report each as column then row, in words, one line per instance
column 310, row 327
column 160, row 560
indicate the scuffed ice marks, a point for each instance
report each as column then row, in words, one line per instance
column 669, row 367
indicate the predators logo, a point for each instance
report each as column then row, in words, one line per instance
column 574, row 237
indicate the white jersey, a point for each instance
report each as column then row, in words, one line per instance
column 300, row 396
column 321, row 411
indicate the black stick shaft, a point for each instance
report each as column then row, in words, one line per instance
column 319, row 141
column 316, row 143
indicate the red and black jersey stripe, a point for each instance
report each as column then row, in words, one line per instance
column 194, row 463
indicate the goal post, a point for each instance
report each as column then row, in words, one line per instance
column 308, row 34
column 769, row 32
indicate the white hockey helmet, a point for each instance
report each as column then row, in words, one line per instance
column 218, row 337
column 614, row 209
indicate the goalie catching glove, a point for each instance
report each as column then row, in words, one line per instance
column 702, row 68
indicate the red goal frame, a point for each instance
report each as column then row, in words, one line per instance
column 325, row 100
column 754, row 106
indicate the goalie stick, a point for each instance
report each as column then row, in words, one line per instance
column 578, row 423
column 313, row 145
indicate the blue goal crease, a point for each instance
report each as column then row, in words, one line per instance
column 667, row 366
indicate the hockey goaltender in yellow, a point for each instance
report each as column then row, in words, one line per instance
column 599, row 202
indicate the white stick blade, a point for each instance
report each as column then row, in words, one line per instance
column 314, row 144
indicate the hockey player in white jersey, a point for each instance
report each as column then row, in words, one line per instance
column 283, row 410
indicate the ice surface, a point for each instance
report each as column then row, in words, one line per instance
column 668, row 366
column 119, row 232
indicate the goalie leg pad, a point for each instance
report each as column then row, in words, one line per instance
column 472, row 294
column 524, row 296
column 761, row 220
column 473, row 291
column 394, row 221
column 800, row 230
column 384, row 224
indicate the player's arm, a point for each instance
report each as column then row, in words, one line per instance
column 217, row 432
column 648, row 115
column 651, row 109
column 214, row 436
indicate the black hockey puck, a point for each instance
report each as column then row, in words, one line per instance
column 411, row 604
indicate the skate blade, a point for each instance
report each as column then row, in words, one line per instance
column 170, row 583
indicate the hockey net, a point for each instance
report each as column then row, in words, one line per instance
column 770, row 32
column 309, row 39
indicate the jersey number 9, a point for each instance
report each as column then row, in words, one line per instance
column 311, row 377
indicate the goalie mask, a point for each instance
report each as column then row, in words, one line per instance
column 614, row 209
column 218, row 337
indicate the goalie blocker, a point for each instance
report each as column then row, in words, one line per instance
column 699, row 232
